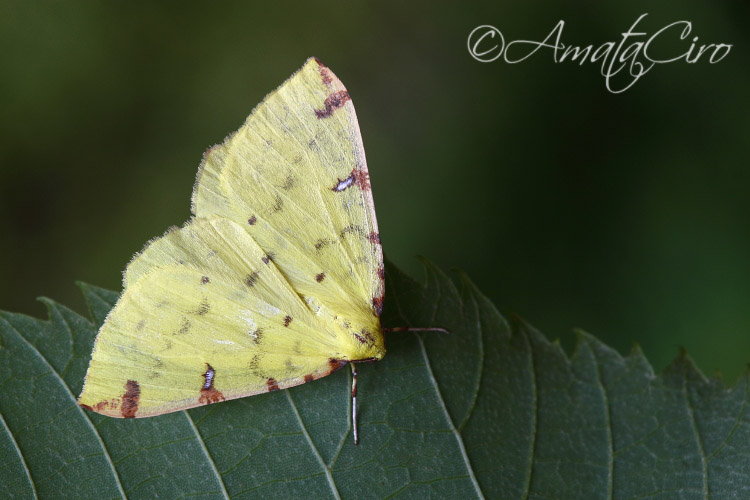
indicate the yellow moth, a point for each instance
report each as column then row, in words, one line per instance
column 276, row 281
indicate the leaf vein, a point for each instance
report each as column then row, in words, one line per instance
column 734, row 427
column 457, row 435
column 70, row 334
column 20, row 455
column 698, row 439
column 340, row 446
column 86, row 418
column 314, row 448
column 206, row 452
column 610, row 432
column 534, row 413
column 480, row 369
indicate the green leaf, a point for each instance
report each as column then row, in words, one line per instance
column 491, row 410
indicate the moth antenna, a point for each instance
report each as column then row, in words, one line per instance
column 354, row 403
column 410, row 329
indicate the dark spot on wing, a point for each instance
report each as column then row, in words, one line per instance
column 377, row 305
column 254, row 361
column 254, row 366
column 251, row 279
column 352, row 229
column 312, row 144
column 374, row 238
column 332, row 103
column 368, row 335
column 265, row 259
column 278, row 205
column 205, row 280
column 289, row 183
column 203, row 308
column 320, row 277
column 185, row 327
column 141, row 325
column 257, row 335
column 252, row 220
column 209, row 394
column 322, row 243
column 359, row 337
column 130, row 399
column 287, row 320
column 381, row 273
column 308, row 378
column 272, row 385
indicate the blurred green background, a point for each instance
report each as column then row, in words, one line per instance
column 625, row 215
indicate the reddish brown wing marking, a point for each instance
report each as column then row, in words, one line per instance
column 358, row 177
column 103, row 405
column 368, row 335
column 325, row 73
column 377, row 305
column 332, row 103
column 335, row 364
column 209, row 394
column 130, row 399
column 272, row 385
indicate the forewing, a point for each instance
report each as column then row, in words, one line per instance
column 205, row 316
column 295, row 177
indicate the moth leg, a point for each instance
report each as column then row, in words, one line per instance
column 354, row 403
column 410, row 329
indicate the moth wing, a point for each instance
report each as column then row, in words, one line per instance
column 205, row 316
column 295, row 177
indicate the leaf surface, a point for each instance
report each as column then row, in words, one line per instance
column 491, row 410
